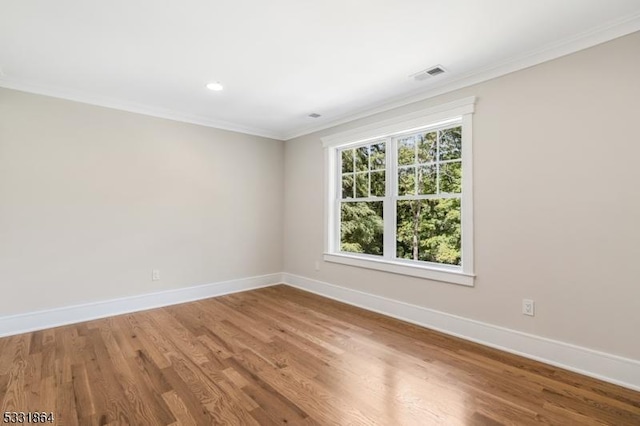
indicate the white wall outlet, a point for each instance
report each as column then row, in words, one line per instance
column 528, row 307
column 155, row 275
column 317, row 265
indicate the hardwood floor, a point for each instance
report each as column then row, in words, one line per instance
column 282, row 356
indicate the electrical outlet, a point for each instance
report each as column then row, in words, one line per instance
column 317, row 265
column 528, row 307
column 155, row 275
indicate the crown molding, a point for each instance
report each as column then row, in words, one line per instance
column 122, row 105
column 598, row 35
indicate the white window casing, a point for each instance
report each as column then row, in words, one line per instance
column 459, row 111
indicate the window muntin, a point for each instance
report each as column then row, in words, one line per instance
column 429, row 192
column 362, row 191
column 425, row 195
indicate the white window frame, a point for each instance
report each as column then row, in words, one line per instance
column 457, row 111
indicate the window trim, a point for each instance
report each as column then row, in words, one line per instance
column 459, row 110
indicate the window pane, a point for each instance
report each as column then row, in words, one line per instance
column 407, row 181
column 451, row 143
column 361, row 227
column 377, row 156
column 347, row 160
column 377, row 184
column 427, row 179
column 427, row 147
column 406, row 151
column 362, row 185
column 362, row 159
column 347, row 186
column 451, row 177
column 429, row 230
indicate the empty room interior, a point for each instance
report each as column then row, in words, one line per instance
column 320, row 213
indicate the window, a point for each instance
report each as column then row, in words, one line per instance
column 399, row 195
column 363, row 189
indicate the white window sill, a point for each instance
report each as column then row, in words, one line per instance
column 398, row 267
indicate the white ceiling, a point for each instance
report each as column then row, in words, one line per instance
column 281, row 60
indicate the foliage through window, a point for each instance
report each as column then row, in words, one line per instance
column 363, row 188
column 409, row 185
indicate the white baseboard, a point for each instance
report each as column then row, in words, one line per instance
column 32, row 321
column 600, row 365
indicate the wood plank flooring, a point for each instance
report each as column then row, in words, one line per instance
column 283, row 356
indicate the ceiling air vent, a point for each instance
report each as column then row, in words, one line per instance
column 435, row 71
column 429, row 72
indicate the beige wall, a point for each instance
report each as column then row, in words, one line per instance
column 93, row 199
column 557, row 203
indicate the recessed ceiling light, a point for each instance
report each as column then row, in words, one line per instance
column 314, row 115
column 217, row 86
